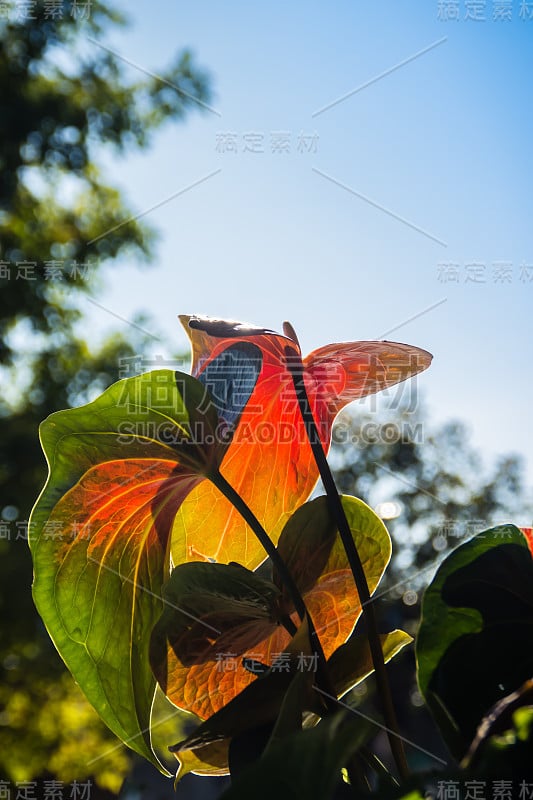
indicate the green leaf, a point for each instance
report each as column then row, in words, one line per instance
column 475, row 643
column 305, row 764
column 351, row 663
column 208, row 760
column 119, row 468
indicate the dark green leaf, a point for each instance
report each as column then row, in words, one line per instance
column 306, row 764
column 475, row 643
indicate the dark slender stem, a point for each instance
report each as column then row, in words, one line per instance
column 288, row 624
column 295, row 366
column 271, row 550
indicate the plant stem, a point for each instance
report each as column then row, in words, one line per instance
column 246, row 512
column 288, row 624
column 295, row 367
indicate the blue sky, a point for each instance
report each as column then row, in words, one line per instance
column 391, row 203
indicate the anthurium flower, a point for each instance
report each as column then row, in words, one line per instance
column 270, row 462
column 129, row 480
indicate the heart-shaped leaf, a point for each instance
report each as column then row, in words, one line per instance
column 475, row 643
column 119, row 469
column 270, row 462
column 332, row 600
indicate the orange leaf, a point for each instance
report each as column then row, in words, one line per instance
column 238, row 627
column 269, row 462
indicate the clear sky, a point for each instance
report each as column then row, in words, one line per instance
column 404, row 209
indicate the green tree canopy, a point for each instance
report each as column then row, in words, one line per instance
column 63, row 97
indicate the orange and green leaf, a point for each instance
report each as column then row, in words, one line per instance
column 270, row 463
column 216, row 615
column 260, row 702
column 333, row 601
column 119, row 469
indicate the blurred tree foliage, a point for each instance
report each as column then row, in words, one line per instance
column 62, row 99
column 428, row 482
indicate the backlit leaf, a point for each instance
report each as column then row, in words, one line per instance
column 261, row 701
column 258, row 704
column 212, row 610
column 279, row 475
column 209, row 760
column 119, row 469
column 306, row 542
column 351, row 663
column 332, row 600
